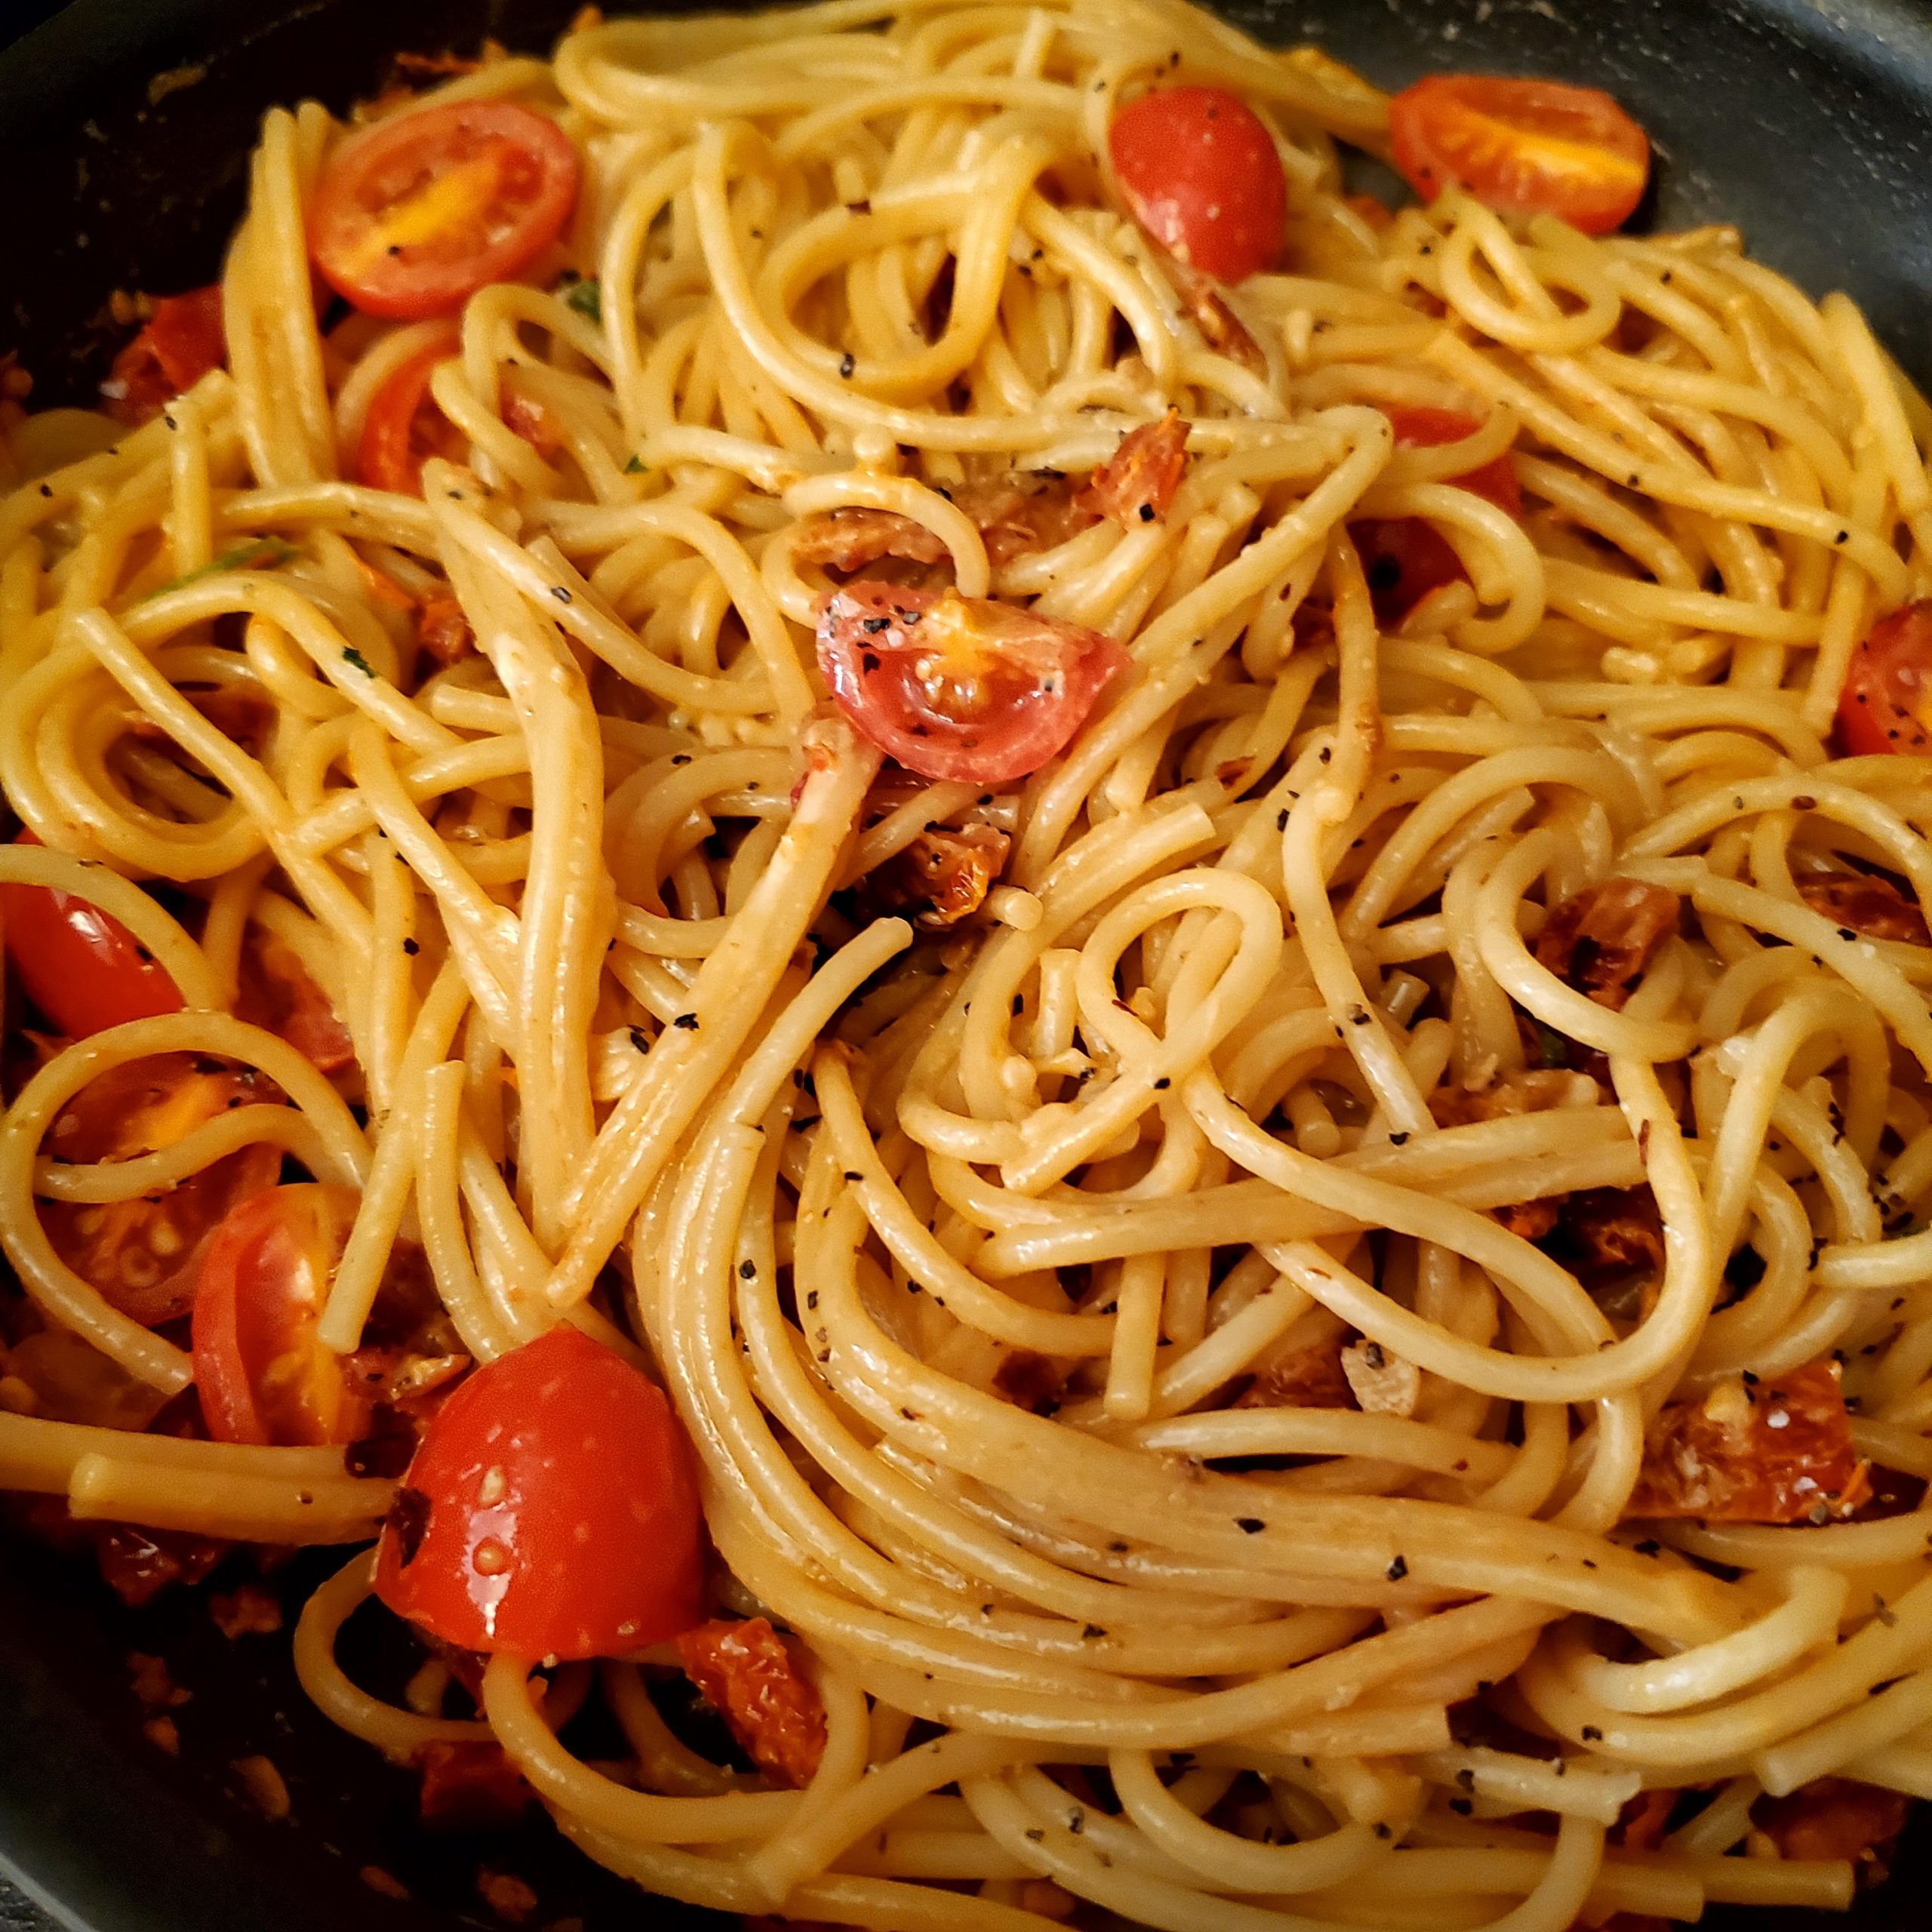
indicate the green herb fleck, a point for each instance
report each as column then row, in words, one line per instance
column 261, row 550
column 634, row 467
column 352, row 655
column 1555, row 1048
column 586, row 297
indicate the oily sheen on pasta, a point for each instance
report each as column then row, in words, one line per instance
column 1313, row 1325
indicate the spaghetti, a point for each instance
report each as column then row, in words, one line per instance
column 1295, row 1312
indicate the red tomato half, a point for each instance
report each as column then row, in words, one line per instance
column 183, row 340
column 85, row 971
column 1201, row 175
column 412, row 217
column 145, row 1255
column 1886, row 705
column 263, row 1375
column 1405, row 558
column 963, row 688
column 1522, row 147
column 552, row 1511
column 403, row 428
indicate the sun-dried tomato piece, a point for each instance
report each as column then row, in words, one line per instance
column 747, row 1672
column 1023, row 512
column 1871, row 905
column 1601, row 941
column 854, row 538
column 1835, row 1818
column 1304, row 1378
column 277, row 991
column 443, row 631
column 1640, row 1824
column 1751, row 1451
column 1535, row 1091
column 136, row 1564
column 471, row 1787
column 943, row 876
column 239, row 712
column 1607, row 1236
column 1136, row 484
column 1030, row 1381
column 1532, row 1219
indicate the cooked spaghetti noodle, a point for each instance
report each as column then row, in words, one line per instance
column 981, row 1263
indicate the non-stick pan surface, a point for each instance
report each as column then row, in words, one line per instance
column 124, row 127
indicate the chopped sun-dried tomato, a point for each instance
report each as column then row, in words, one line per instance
column 1601, row 941
column 854, row 538
column 1220, row 328
column 1035, row 1382
column 276, row 992
column 136, row 1564
column 443, row 631
column 528, row 418
column 1304, row 1378
column 1136, row 484
column 1025, row 511
column 471, row 1788
column 747, row 1672
column 1532, row 1219
column 945, row 874
column 1871, row 905
column 1835, row 1818
column 239, row 712
column 1774, row 1451
column 1608, row 1235
column 1640, row 1824
column 1536, row 1091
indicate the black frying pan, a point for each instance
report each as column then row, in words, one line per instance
column 1807, row 122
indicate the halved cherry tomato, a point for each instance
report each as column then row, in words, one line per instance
column 183, row 341
column 85, row 971
column 1405, row 558
column 403, row 428
column 277, row 991
column 263, row 1375
column 964, row 688
column 1201, row 175
column 412, row 217
column 145, row 1255
column 1522, row 147
column 1886, row 705
column 552, row 1511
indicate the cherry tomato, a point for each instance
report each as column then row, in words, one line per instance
column 276, row 992
column 1886, row 705
column 412, row 217
column 1201, row 175
column 263, row 1374
column 1405, row 558
column 183, row 341
column 85, row 971
column 404, row 427
column 145, row 1255
column 552, row 1511
column 1522, row 147
column 956, row 687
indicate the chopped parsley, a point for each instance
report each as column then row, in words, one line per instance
column 352, row 655
column 586, row 297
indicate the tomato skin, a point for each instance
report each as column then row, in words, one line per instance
column 145, row 1255
column 404, row 427
column 964, row 688
column 413, row 216
column 552, row 1511
column 1201, row 175
column 263, row 1375
column 184, row 339
column 1886, row 705
column 1522, row 147
column 85, row 971
column 1404, row 559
